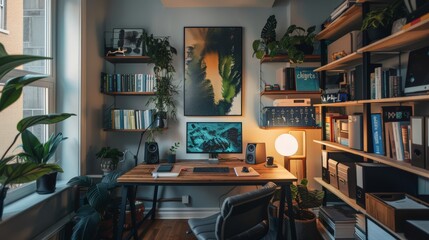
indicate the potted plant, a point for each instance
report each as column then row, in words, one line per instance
column 303, row 201
column 267, row 44
column 12, row 169
column 297, row 42
column 161, row 52
column 378, row 22
column 109, row 158
column 171, row 157
column 41, row 153
column 98, row 203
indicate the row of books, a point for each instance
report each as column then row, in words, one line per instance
column 339, row 10
column 344, row 129
column 127, row 82
column 130, row 119
column 298, row 78
column 385, row 83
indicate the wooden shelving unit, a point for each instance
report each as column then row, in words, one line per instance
column 352, row 203
column 128, row 59
column 130, row 93
column 348, row 21
column 379, row 158
column 288, row 92
column 285, row 58
column 403, row 40
column 343, row 63
column 419, row 98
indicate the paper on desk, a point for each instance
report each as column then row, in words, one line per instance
column 406, row 203
column 251, row 173
column 174, row 173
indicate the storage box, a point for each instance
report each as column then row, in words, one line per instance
column 416, row 229
column 393, row 209
column 347, row 178
column 345, row 45
column 333, row 177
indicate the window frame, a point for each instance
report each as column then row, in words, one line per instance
column 50, row 85
column 3, row 16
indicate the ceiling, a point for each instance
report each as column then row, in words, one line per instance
column 217, row 3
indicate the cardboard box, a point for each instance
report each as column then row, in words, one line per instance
column 347, row 178
column 393, row 209
column 345, row 45
column 333, row 177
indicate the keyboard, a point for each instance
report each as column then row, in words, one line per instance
column 211, row 170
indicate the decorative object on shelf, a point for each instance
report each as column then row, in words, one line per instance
column 306, row 79
column 171, row 157
column 21, row 171
column 213, row 71
column 161, row 52
column 129, row 41
column 378, row 22
column 289, row 116
column 41, row 153
column 296, row 42
column 109, row 158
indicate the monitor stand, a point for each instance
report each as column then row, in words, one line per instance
column 213, row 158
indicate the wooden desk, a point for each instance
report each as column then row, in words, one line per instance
column 141, row 175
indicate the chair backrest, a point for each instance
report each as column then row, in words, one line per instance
column 245, row 216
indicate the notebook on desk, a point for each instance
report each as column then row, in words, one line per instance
column 166, row 170
column 252, row 172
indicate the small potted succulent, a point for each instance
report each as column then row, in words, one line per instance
column 171, row 158
column 109, row 158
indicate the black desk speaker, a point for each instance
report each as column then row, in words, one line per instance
column 151, row 153
column 255, row 153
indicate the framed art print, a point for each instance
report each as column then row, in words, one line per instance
column 129, row 39
column 213, row 71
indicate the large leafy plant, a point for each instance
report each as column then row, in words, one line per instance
column 305, row 198
column 98, row 198
column 15, row 170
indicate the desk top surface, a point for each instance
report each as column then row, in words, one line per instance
column 142, row 174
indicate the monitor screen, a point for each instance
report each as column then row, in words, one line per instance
column 214, row 137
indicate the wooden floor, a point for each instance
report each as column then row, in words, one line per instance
column 165, row 229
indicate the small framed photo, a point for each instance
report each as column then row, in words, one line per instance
column 128, row 39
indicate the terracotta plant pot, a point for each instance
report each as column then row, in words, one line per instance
column 47, row 183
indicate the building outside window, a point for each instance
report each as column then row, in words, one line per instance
column 31, row 34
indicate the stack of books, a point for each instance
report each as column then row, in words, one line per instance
column 360, row 228
column 341, row 8
column 337, row 222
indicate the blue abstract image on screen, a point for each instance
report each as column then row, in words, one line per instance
column 214, row 137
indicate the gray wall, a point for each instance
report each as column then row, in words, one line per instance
column 160, row 21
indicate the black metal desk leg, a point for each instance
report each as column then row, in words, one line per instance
column 122, row 212
column 132, row 200
column 290, row 213
column 154, row 200
column 281, row 213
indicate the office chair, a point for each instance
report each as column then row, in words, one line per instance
column 243, row 216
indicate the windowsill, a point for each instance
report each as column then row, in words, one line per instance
column 29, row 201
column 4, row 31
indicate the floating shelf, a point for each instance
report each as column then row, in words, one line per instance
column 379, row 158
column 128, row 59
column 346, row 62
column 288, row 92
column 129, row 93
column 285, row 58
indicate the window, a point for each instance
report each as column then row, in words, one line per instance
column 3, row 14
column 38, row 98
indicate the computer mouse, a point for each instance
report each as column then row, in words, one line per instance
column 245, row 169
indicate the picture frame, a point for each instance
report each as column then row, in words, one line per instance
column 128, row 40
column 213, row 71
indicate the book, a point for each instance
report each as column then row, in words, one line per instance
column 161, row 171
column 306, row 79
column 377, row 134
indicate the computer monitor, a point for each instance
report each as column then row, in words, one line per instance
column 214, row 138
